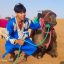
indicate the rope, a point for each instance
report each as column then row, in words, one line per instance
column 48, row 41
column 48, row 26
column 15, row 62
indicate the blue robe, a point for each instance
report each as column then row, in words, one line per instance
column 27, row 48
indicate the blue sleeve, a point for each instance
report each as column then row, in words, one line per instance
column 9, row 27
column 34, row 26
column 10, row 31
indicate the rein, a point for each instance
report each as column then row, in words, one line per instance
column 43, row 39
column 49, row 40
column 48, row 26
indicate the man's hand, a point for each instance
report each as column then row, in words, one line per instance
column 1, row 36
column 19, row 41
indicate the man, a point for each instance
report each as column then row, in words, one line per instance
column 18, row 35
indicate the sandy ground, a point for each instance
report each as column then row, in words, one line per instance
column 47, row 59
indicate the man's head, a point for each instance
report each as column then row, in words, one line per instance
column 20, row 11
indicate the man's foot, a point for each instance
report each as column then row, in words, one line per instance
column 12, row 58
column 23, row 56
column 1, row 36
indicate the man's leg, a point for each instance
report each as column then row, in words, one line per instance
column 27, row 47
column 10, row 48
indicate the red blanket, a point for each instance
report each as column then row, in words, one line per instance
column 3, row 23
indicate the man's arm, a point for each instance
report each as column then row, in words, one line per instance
column 34, row 26
column 9, row 31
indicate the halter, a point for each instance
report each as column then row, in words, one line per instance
column 42, row 23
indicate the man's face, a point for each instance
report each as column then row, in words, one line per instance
column 21, row 16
